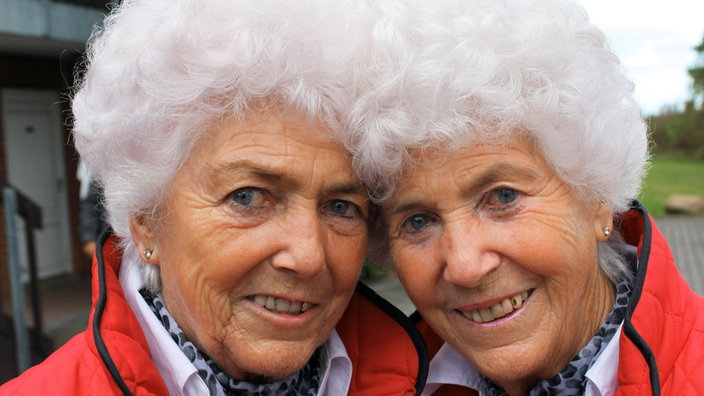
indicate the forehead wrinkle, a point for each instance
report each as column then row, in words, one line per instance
column 343, row 187
column 493, row 174
column 247, row 167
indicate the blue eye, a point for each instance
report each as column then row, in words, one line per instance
column 245, row 196
column 340, row 207
column 416, row 222
column 506, row 195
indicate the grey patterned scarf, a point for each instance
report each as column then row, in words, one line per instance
column 304, row 382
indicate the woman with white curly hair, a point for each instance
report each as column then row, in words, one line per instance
column 502, row 138
column 239, row 226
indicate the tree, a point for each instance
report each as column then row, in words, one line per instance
column 697, row 74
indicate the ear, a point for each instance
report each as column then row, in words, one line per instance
column 144, row 237
column 603, row 217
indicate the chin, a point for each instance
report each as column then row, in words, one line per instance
column 272, row 367
column 274, row 372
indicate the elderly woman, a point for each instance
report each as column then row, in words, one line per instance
column 239, row 225
column 504, row 142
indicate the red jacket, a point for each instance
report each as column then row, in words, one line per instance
column 662, row 344
column 112, row 356
column 661, row 349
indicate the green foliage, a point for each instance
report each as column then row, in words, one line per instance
column 679, row 133
column 671, row 175
column 371, row 271
column 697, row 73
column 682, row 132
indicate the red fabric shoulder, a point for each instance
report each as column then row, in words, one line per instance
column 669, row 318
column 385, row 360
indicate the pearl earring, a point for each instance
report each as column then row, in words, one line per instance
column 607, row 231
column 148, row 253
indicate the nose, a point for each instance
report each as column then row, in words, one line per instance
column 467, row 253
column 303, row 243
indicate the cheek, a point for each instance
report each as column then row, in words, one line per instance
column 417, row 272
column 555, row 249
column 345, row 257
column 196, row 305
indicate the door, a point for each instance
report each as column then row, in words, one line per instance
column 34, row 155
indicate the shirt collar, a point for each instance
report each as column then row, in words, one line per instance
column 602, row 376
column 450, row 367
column 179, row 374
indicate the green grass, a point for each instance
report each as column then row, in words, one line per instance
column 671, row 175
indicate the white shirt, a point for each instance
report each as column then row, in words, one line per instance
column 181, row 376
column 450, row 367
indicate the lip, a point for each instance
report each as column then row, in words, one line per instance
column 496, row 310
column 282, row 306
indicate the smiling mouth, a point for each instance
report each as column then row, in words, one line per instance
column 498, row 310
column 281, row 305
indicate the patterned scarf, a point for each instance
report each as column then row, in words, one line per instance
column 572, row 380
column 305, row 382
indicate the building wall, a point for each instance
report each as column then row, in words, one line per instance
column 49, row 20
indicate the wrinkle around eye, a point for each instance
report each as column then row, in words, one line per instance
column 415, row 222
column 345, row 209
column 503, row 197
column 249, row 206
column 251, row 197
column 415, row 227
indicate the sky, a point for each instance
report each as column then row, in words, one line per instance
column 655, row 41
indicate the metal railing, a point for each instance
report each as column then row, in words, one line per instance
column 15, row 203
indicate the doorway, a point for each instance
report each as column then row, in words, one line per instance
column 34, row 155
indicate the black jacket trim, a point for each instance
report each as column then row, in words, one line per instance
column 639, row 281
column 99, row 308
column 410, row 328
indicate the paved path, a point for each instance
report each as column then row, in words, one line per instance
column 685, row 235
column 686, row 238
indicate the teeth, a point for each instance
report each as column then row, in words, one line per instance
column 486, row 315
column 516, row 302
column 476, row 317
column 260, row 300
column 498, row 310
column 506, row 305
column 281, row 305
column 295, row 306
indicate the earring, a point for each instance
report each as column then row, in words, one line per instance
column 148, row 253
column 607, row 231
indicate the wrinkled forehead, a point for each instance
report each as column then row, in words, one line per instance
column 436, row 155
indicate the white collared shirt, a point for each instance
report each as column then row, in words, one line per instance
column 181, row 376
column 450, row 367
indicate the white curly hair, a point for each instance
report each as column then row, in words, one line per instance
column 449, row 72
column 158, row 71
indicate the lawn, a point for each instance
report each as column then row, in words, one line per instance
column 671, row 175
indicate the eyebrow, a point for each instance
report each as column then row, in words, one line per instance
column 251, row 168
column 483, row 180
column 502, row 171
column 246, row 167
